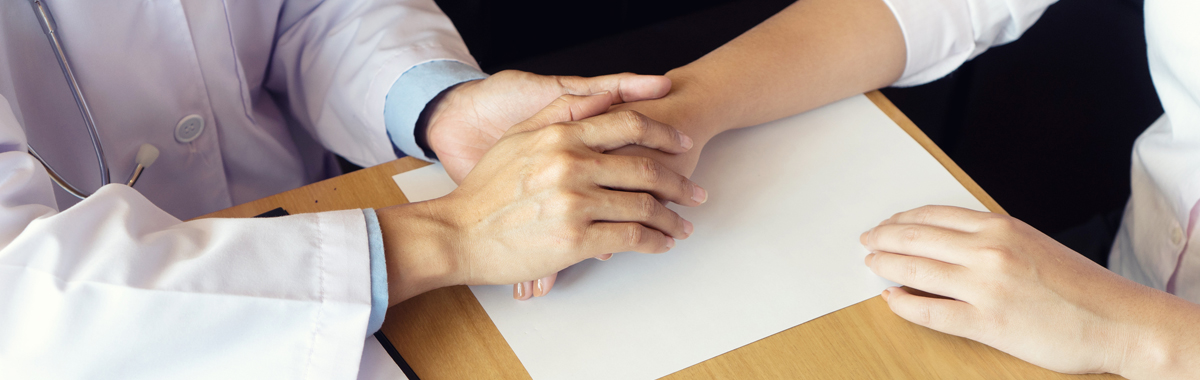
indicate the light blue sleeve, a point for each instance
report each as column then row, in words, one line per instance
column 379, row 283
column 412, row 92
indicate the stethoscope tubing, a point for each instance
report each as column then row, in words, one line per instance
column 46, row 19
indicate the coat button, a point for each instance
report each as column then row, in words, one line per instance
column 1176, row 235
column 189, row 128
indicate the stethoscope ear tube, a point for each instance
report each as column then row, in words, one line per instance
column 46, row 19
column 51, row 29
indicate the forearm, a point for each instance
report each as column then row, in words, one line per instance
column 813, row 53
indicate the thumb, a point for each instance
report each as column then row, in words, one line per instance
column 624, row 88
column 566, row 108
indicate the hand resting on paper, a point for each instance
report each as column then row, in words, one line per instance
column 1013, row 288
column 543, row 198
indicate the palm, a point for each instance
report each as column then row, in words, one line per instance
column 473, row 116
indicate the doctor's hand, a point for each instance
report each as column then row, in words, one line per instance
column 1016, row 289
column 465, row 121
column 546, row 196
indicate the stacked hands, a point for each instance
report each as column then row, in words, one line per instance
column 600, row 200
column 589, row 174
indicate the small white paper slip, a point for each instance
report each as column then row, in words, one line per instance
column 425, row 183
column 376, row 364
column 775, row 246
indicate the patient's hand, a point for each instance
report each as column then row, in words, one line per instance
column 1016, row 289
column 466, row 121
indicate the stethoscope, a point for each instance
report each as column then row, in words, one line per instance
column 146, row 155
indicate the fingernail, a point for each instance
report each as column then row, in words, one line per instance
column 519, row 291
column 539, row 288
column 670, row 243
column 600, row 93
column 685, row 140
column 687, row 229
column 886, row 293
column 870, row 257
column 698, row 194
column 604, row 257
column 862, row 239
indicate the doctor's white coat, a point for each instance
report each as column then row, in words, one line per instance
column 117, row 286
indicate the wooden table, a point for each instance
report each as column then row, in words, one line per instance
column 445, row 334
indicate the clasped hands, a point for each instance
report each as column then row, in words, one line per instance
column 468, row 120
column 546, row 193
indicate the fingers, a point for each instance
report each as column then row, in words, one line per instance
column 629, row 173
column 948, row 316
column 565, row 108
column 542, row 286
column 625, row 87
column 625, row 236
column 929, row 275
column 535, row 288
column 614, row 130
column 949, row 217
column 523, row 291
column 937, row 243
column 619, row 206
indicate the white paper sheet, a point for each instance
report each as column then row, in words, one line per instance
column 775, row 246
column 425, row 183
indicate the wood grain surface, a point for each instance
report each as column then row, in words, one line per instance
column 446, row 334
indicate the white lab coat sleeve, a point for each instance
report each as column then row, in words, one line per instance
column 940, row 35
column 335, row 61
column 115, row 288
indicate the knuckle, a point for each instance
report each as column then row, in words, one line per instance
column 637, row 122
column 997, row 258
column 911, row 272
column 557, row 168
column 635, row 235
column 910, row 234
column 647, row 206
column 571, row 202
column 685, row 187
column 924, row 214
column 925, row 316
column 648, row 169
column 557, row 133
column 999, row 222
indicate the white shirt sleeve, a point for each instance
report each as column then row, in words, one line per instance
column 116, row 288
column 337, row 60
column 942, row 34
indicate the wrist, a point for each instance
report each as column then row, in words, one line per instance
column 419, row 250
column 1164, row 343
column 692, row 105
column 427, row 121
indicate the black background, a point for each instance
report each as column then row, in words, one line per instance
column 1045, row 124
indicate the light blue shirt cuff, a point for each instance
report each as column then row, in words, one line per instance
column 379, row 283
column 413, row 91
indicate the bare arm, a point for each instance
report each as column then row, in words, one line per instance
column 813, row 53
